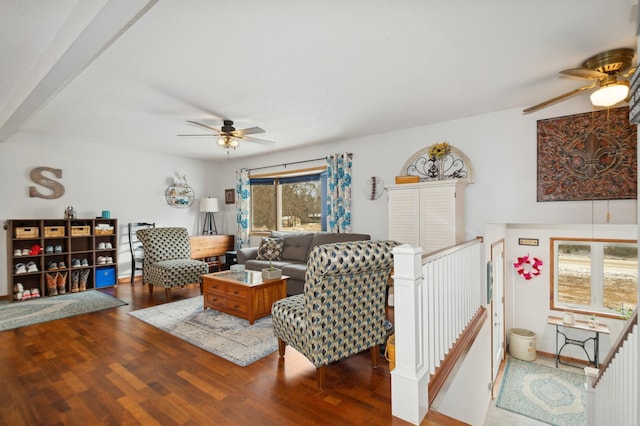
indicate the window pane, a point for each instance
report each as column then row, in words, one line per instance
column 301, row 206
column 574, row 274
column 620, row 277
column 263, row 207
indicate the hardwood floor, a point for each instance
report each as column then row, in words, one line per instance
column 109, row 368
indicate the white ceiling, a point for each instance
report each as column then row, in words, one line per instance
column 306, row 72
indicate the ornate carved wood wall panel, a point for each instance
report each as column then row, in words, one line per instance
column 589, row 156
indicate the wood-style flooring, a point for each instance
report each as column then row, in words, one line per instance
column 108, row 368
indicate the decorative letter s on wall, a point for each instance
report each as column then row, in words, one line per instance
column 37, row 177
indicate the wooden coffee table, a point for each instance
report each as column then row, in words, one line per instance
column 242, row 294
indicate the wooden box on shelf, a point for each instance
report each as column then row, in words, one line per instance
column 53, row 231
column 104, row 231
column 407, row 179
column 30, row 232
column 81, row 231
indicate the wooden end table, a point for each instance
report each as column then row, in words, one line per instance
column 242, row 294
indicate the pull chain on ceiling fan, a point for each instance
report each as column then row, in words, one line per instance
column 607, row 72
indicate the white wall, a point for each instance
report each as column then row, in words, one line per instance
column 131, row 183
column 128, row 182
column 502, row 147
column 471, row 383
column 527, row 301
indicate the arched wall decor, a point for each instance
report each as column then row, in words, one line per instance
column 454, row 165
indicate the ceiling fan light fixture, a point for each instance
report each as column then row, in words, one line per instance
column 610, row 95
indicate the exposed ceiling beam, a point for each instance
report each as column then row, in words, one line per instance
column 109, row 23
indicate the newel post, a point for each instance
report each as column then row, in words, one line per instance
column 410, row 377
column 590, row 376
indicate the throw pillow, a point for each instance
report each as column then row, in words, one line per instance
column 270, row 249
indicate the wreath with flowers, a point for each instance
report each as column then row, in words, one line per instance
column 528, row 267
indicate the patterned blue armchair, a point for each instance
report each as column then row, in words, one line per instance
column 342, row 309
column 167, row 261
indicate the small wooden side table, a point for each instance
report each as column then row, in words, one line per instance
column 579, row 325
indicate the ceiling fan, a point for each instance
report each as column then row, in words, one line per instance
column 228, row 136
column 606, row 70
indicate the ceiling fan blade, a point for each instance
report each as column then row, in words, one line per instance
column 629, row 73
column 204, row 126
column 584, row 73
column 208, row 135
column 250, row 131
column 559, row 98
column 258, row 141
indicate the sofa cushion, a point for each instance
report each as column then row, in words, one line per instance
column 296, row 245
column 295, row 271
column 270, row 249
column 334, row 237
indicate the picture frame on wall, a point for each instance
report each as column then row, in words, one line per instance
column 229, row 196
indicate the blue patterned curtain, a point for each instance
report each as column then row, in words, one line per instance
column 243, row 204
column 339, row 192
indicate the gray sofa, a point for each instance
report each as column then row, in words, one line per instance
column 297, row 247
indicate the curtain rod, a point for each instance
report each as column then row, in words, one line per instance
column 287, row 164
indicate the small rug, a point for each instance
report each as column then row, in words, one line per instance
column 43, row 309
column 543, row 393
column 229, row 337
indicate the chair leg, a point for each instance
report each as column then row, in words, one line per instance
column 321, row 374
column 375, row 356
column 167, row 293
column 282, row 345
column 133, row 271
column 150, row 289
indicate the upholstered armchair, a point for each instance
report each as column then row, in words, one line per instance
column 342, row 309
column 167, row 261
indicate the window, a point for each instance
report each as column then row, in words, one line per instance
column 594, row 276
column 294, row 201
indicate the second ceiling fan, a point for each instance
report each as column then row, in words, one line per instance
column 228, row 136
column 608, row 71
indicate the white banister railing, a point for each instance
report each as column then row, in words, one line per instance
column 436, row 296
column 612, row 393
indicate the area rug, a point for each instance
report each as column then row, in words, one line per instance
column 43, row 309
column 221, row 334
column 547, row 394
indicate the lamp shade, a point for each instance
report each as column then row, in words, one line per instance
column 609, row 95
column 209, row 204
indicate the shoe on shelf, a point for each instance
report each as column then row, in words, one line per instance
column 84, row 262
column 101, row 246
column 62, row 282
column 84, row 277
column 18, row 288
column 109, row 259
column 17, row 295
column 48, row 250
column 32, row 267
column 102, row 260
column 62, row 265
column 108, row 246
column 17, row 252
column 52, row 281
column 35, row 250
column 35, row 293
column 58, row 249
column 52, row 266
column 20, row 268
column 27, row 294
column 75, row 281
column 75, row 263
column 26, row 252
